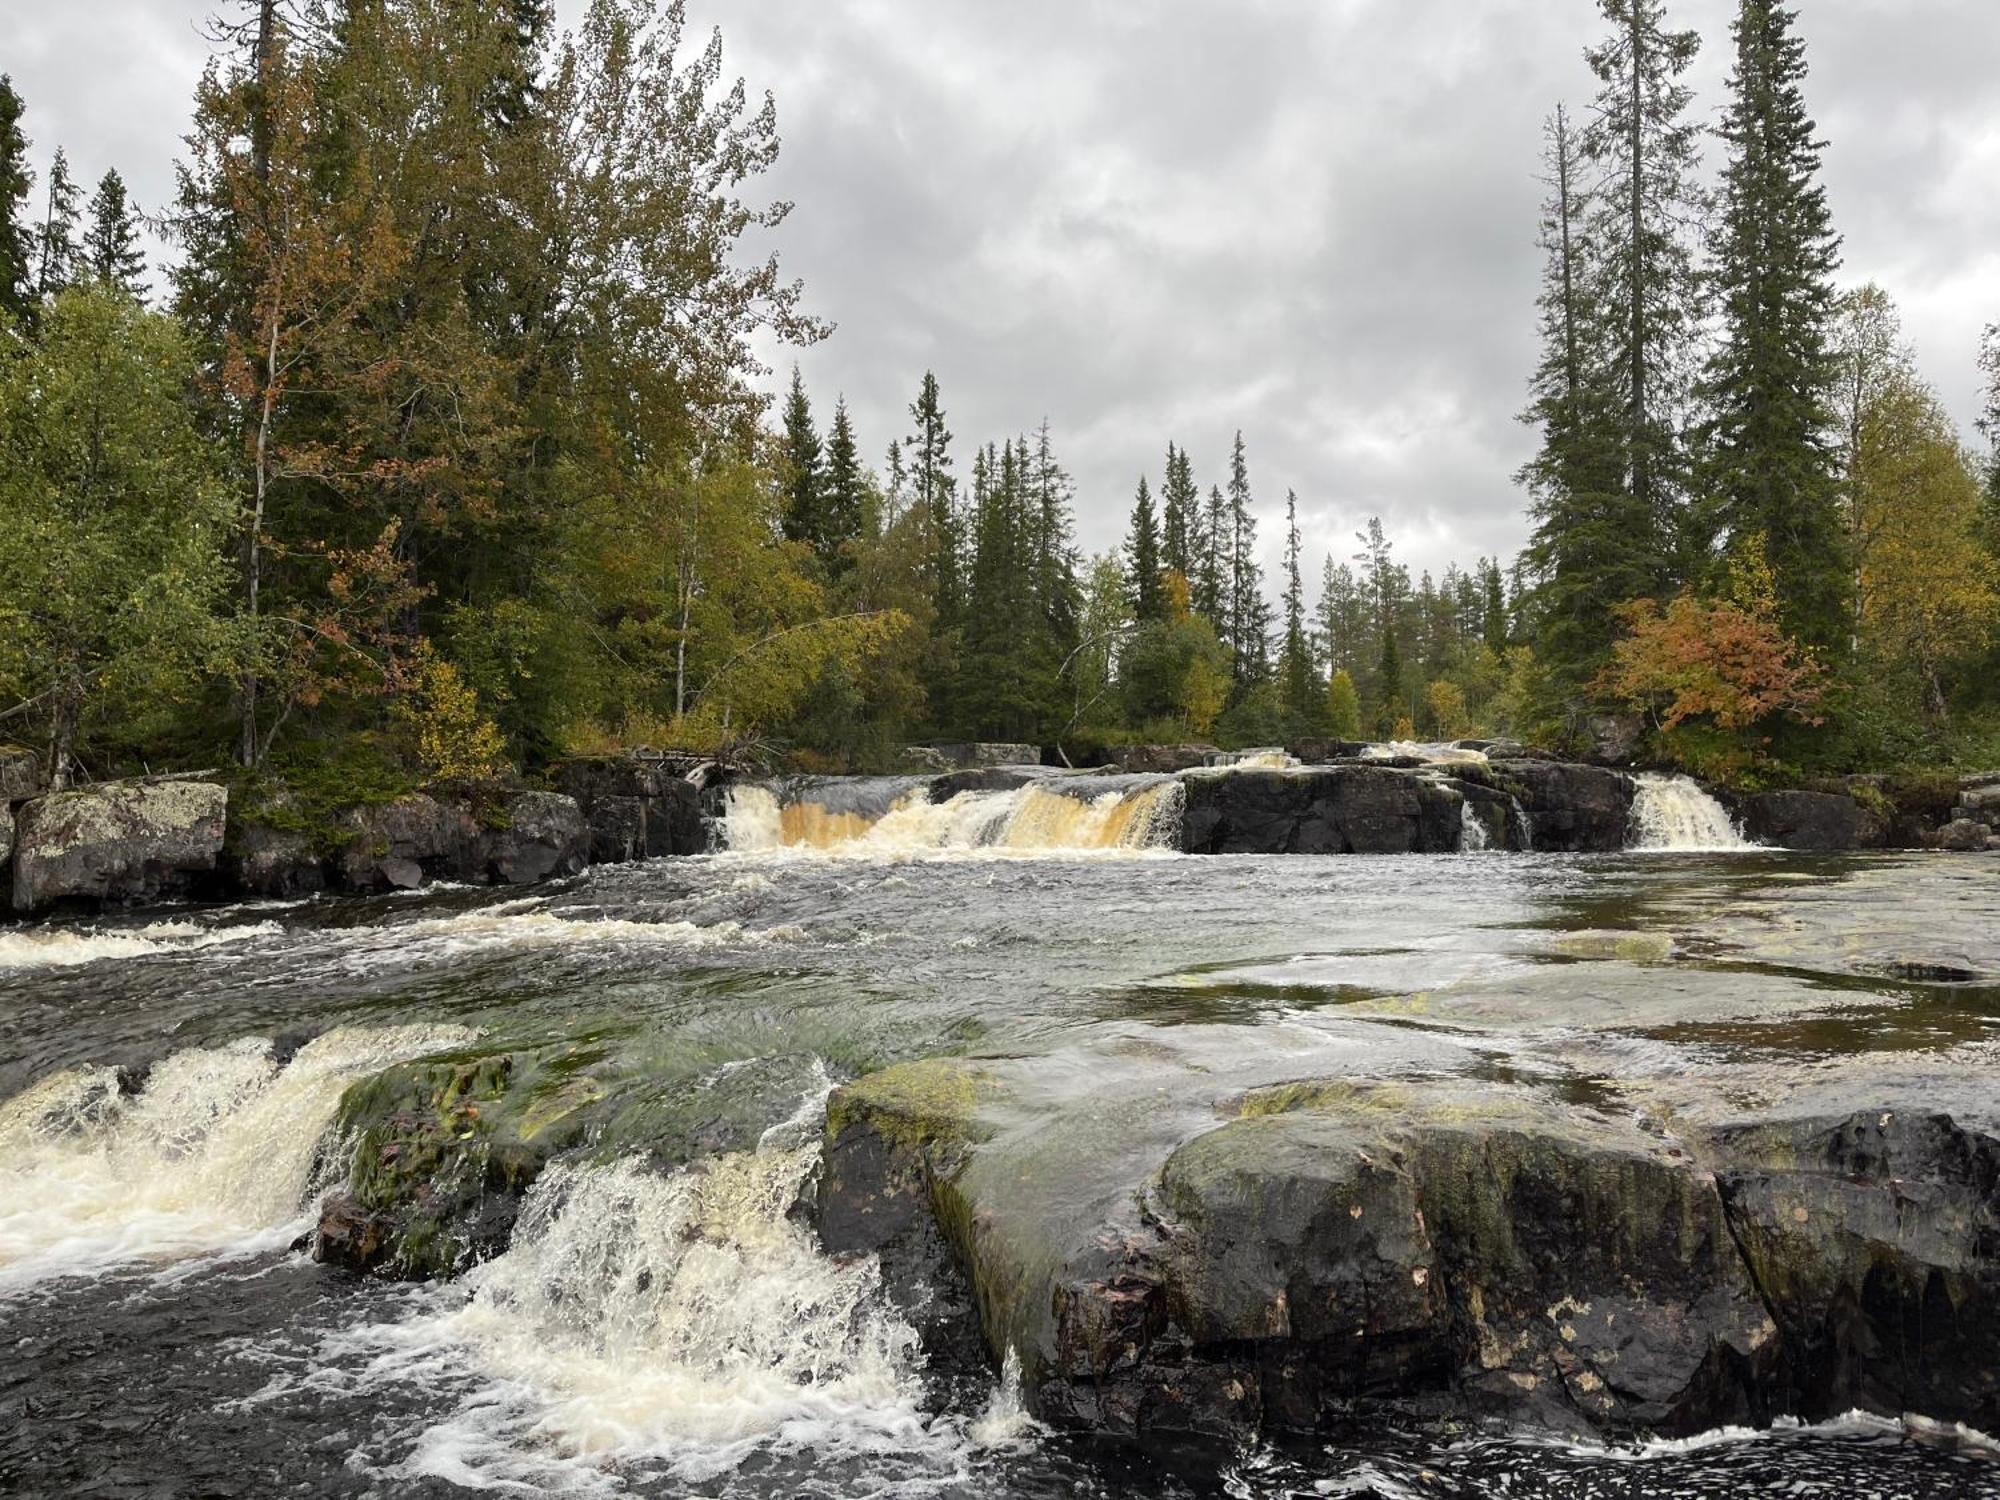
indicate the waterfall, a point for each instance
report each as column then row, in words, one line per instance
column 217, row 1152
column 1673, row 813
column 1472, row 835
column 681, row 1321
column 1270, row 758
column 1088, row 814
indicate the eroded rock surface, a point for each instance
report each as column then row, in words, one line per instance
column 119, row 842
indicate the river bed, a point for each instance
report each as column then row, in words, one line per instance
column 661, row 1325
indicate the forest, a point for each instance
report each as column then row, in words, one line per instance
column 436, row 452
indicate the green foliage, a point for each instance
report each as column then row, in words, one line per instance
column 111, row 552
column 440, row 719
column 111, row 250
column 1343, row 707
column 16, row 264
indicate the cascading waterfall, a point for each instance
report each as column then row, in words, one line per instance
column 215, row 1153
column 1673, row 813
column 1031, row 818
column 683, row 1319
column 1472, row 835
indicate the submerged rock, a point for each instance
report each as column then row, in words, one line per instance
column 119, row 842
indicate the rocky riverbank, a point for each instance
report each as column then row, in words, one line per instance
column 181, row 838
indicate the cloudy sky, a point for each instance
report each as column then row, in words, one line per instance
column 1310, row 219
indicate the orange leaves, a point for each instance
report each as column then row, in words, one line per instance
column 1726, row 660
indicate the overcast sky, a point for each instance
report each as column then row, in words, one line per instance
column 1310, row 219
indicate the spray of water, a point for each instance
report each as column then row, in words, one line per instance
column 217, row 1153
column 1673, row 814
column 1029, row 820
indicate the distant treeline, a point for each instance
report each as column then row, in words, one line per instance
column 438, row 454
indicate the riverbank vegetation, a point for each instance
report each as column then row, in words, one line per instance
column 436, row 452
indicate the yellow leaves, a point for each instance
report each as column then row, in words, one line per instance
column 1447, row 705
column 451, row 738
column 1721, row 660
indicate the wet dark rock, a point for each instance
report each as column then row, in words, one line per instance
column 1466, row 1250
column 1874, row 1237
column 1810, row 820
column 544, row 835
column 262, row 859
column 1354, row 809
column 1963, row 835
column 1573, row 808
column 989, row 779
column 635, row 807
column 6, row 836
column 404, row 844
column 1165, row 759
column 443, row 1153
column 122, row 842
column 1322, row 752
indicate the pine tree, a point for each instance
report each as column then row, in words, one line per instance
column 1249, row 614
column 843, row 493
column 1770, row 470
column 1645, row 148
column 1595, row 541
column 805, row 469
column 1056, row 589
column 1296, row 674
column 1343, row 617
column 111, row 244
column 16, row 261
column 1142, row 557
column 1180, row 523
column 56, row 253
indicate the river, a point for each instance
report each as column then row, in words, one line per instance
column 660, row 1325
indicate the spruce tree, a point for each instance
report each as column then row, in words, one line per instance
column 843, row 493
column 1391, row 699
column 1211, row 592
column 1771, row 466
column 56, row 254
column 1249, row 614
column 805, row 468
column 1493, row 615
column 1296, row 674
column 111, row 244
column 927, row 451
column 1142, row 558
column 16, row 259
column 1056, row 590
column 1989, row 424
column 1180, row 523
column 1645, row 150
column 1343, row 617
column 1596, row 542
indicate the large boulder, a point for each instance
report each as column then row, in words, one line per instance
column 971, row 755
column 1571, row 808
column 264, row 859
column 1615, row 739
column 406, row 843
column 1964, row 835
column 1352, row 809
column 1824, row 821
column 635, row 807
column 121, row 842
column 541, row 834
column 20, row 774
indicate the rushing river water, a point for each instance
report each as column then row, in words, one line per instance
column 659, row 1330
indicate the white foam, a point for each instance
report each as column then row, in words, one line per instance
column 215, row 1155
column 1027, row 821
column 677, row 1323
column 64, row 947
column 1672, row 814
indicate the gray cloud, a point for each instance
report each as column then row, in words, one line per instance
column 1311, row 219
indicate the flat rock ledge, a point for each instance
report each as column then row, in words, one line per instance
column 1445, row 1251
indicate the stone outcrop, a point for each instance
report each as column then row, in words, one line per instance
column 1164, row 759
column 636, row 808
column 20, row 774
column 122, row 842
column 1439, row 1250
column 419, row 838
column 1571, row 808
column 1351, row 809
column 970, row 756
column 1822, row 821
